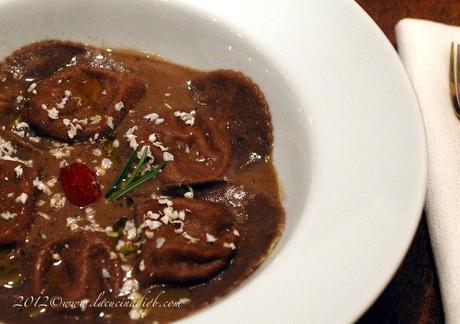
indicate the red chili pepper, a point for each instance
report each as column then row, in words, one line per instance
column 80, row 184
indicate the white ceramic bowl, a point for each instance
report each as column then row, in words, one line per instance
column 349, row 140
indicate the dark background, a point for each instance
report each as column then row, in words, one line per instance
column 413, row 294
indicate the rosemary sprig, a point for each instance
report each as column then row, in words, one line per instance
column 136, row 179
column 146, row 177
column 121, row 176
column 138, row 168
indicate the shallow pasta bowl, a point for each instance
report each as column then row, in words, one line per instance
column 349, row 140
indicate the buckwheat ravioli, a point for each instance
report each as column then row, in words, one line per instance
column 127, row 178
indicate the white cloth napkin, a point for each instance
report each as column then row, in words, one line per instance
column 424, row 48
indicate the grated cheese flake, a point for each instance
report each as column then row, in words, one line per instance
column 119, row 106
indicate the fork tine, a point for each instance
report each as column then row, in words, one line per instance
column 457, row 82
column 454, row 72
column 451, row 69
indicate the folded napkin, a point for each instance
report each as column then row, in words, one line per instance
column 424, row 48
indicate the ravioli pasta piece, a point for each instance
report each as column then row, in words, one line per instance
column 185, row 251
column 256, row 214
column 32, row 63
column 38, row 60
column 238, row 102
column 80, row 102
column 76, row 268
column 201, row 152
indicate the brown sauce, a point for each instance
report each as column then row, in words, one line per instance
column 70, row 117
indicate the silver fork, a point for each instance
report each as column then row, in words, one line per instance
column 454, row 77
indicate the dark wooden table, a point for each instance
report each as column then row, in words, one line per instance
column 413, row 294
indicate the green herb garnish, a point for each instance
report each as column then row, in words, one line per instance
column 111, row 151
column 117, row 228
column 113, row 234
column 121, row 176
column 135, row 179
column 138, row 168
column 128, row 249
column 16, row 119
